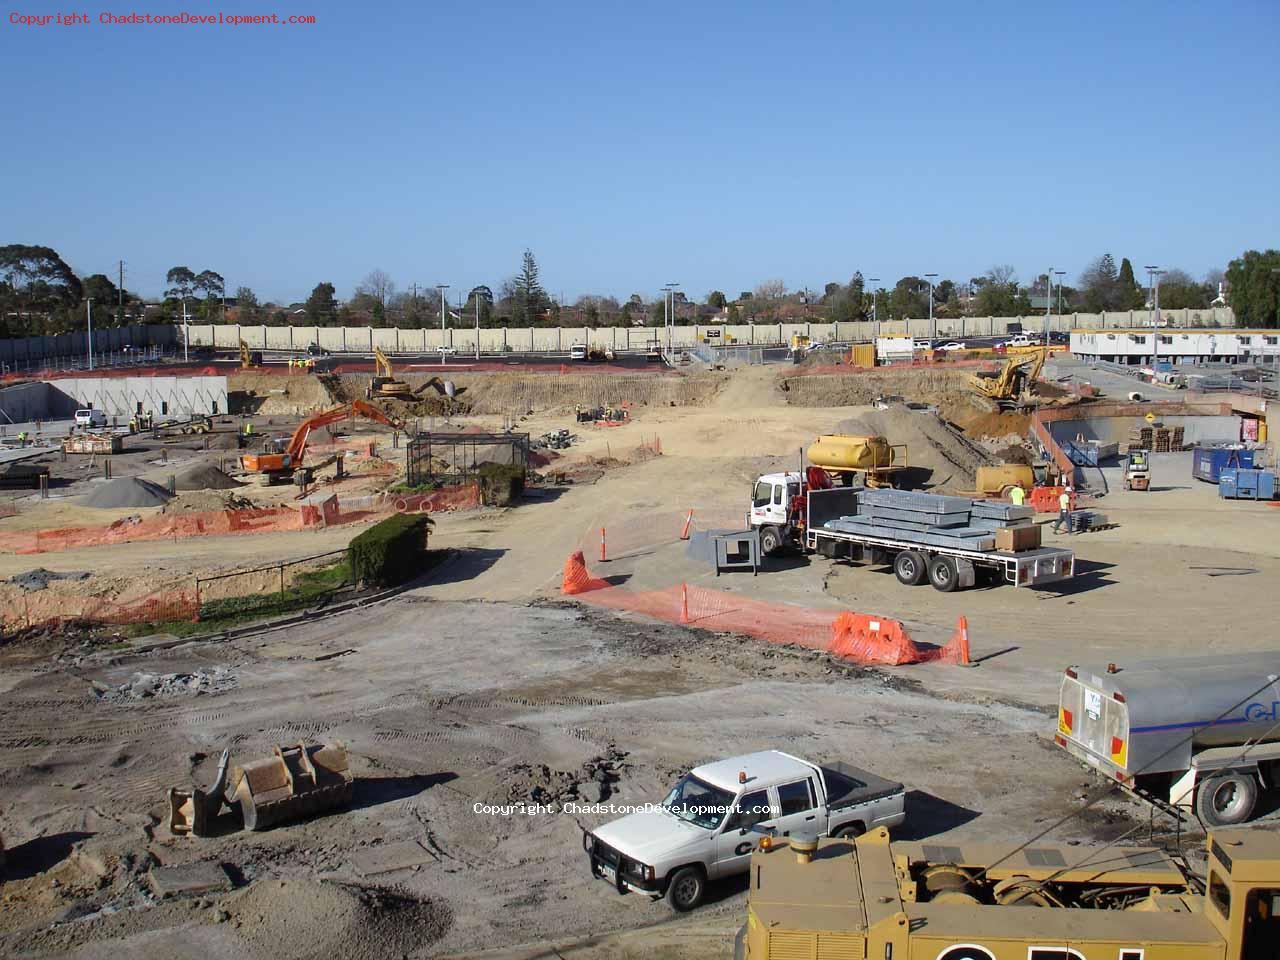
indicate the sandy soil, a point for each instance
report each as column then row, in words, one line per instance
column 460, row 690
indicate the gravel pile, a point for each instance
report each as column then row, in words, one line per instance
column 538, row 783
column 127, row 492
column 145, row 686
column 198, row 476
column 40, row 578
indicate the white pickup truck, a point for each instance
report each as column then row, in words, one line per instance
column 717, row 814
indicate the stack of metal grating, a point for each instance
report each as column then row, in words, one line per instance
column 931, row 519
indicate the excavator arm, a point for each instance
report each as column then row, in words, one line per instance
column 383, row 364
column 298, row 443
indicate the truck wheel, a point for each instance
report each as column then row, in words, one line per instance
column 1226, row 799
column 686, row 889
column 909, row 567
column 849, row 831
column 770, row 540
column 943, row 574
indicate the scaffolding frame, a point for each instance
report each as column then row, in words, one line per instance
column 425, row 454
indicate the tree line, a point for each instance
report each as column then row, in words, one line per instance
column 41, row 294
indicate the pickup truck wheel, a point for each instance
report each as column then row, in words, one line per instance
column 1226, row 799
column 770, row 540
column 686, row 889
column 909, row 567
column 849, row 831
column 943, row 574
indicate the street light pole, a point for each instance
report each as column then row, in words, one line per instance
column 1060, row 274
column 933, row 331
column 477, row 326
column 1048, row 299
column 440, row 289
column 875, row 326
column 1152, row 291
column 89, row 306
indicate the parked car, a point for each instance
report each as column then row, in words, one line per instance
column 315, row 350
column 953, row 345
column 711, row 821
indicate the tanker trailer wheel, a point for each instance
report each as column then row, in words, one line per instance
column 910, row 568
column 770, row 541
column 686, row 889
column 1226, row 799
column 943, row 574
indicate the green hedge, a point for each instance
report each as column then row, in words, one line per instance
column 391, row 551
column 501, row 483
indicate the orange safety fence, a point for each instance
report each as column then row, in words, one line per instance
column 855, row 637
column 330, row 512
column 51, row 609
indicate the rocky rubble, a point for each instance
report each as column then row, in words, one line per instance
column 145, row 686
column 593, row 783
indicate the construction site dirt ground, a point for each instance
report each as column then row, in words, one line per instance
column 460, row 690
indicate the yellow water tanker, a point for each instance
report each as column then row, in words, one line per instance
column 840, row 453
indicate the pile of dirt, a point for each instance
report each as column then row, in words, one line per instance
column 224, row 441
column 979, row 424
column 301, row 919
column 939, row 457
column 127, row 492
column 201, row 501
column 924, row 385
column 40, row 578
column 1015, row 454
column 539, row 784
column 199, row 476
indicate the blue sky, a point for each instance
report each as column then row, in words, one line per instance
column 712, row 144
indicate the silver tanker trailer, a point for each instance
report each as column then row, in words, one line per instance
column 1199, row 732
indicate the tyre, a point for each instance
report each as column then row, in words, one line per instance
column 686, row 889
column 1226, row 799
column 910, row 568
column 849, row 831
column 770, row 540
column 943, row 574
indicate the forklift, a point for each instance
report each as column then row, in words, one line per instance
column 1137, row 471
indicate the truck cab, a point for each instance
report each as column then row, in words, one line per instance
column 773, row 509
column 710, row 822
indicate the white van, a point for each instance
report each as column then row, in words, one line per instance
column 89, row 419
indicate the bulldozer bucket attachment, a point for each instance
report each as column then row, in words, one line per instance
column 189, row 812
column 296, row 781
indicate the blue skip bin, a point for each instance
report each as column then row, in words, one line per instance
column 1239, row 484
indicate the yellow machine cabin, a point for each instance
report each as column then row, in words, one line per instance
column 1012, row 386
column 872, row 900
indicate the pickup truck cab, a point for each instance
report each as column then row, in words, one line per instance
column 711, row 821
column 1019, row 340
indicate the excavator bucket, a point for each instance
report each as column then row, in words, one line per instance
column 297, row 781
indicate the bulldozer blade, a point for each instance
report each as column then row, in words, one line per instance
column 297, row 781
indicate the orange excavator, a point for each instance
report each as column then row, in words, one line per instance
column 278, row 461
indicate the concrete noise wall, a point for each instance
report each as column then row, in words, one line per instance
column 27, row 350
column 163, row 396
column 463, row 339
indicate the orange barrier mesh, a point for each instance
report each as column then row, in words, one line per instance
column 222, row 522
column 49, row 610
column 851, row 636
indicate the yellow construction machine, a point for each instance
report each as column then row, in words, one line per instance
column 249, row 358
column 875, row 459
column 1013, row 385
column 957, row 900
column 296, row 781
column 384, row 385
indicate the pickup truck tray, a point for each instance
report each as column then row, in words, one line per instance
column 848, row 785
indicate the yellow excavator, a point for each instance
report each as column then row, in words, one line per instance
column 384, row 385
column 1013, row 386
column 249, row 358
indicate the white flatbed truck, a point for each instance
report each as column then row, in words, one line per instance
column 793, row 512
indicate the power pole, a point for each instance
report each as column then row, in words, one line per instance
column 120, row 291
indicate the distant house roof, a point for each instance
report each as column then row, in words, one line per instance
column 1038, row 303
